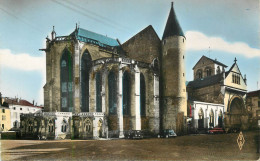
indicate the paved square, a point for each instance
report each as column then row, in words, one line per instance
column 196, row 147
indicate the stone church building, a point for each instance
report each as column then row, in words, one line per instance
column 98, row 87
column 216, row 97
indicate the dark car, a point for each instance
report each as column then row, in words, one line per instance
column 134, row 134
column 216, row 130
column 232, row 130
column 167, row 133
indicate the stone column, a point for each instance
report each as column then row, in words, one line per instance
column 92, row 92
column 216, row 117
column 206, row 121
column 119, row 105
column 103, row 92
column 156, row 104
column 137, row 125
column 76, row 78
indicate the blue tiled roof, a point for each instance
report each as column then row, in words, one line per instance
column 94, row 36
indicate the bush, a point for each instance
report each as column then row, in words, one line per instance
column 8, row 135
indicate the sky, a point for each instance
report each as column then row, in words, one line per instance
column 220, row 30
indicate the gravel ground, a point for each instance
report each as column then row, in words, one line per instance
column 192, row 147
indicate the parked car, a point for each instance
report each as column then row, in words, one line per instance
column 216, row 130
column 134, row 134
column 167, row 133
column 232, row 130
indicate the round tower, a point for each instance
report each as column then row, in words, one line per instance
column 173, row 88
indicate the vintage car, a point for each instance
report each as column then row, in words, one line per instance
column 167, row 133
column 134, row 134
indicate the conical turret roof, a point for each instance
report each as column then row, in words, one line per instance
column 172, row 27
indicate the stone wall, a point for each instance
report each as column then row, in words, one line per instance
column 210, row 94
column 144, row 46
column 173, row 83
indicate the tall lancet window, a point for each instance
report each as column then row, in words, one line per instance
column 86, row 64
column 98, row 92
column 112, row 94
column 126, row 93
column 66, row 81
column 142, row 95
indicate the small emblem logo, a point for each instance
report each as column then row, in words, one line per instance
column 240, row 140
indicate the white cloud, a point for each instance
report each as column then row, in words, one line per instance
column 199, row 41
column 24, row 62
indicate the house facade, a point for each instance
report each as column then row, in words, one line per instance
column 18, row 107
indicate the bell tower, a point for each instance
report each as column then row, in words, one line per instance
column 172, row 73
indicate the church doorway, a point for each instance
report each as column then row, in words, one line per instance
column 236, row 110
column 201, row 119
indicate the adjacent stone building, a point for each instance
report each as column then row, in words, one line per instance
column 212, row 84
column 253, row 107
column 98, row 87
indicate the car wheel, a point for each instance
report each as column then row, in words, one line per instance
column 166, row 136
column 158, row 136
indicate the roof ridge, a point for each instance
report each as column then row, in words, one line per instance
column 81, row 34
column 144, row 29
column 97, row 33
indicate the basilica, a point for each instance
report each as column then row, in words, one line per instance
column 97, row 87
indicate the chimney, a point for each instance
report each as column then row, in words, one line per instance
column 245, row 79
column 53, row 34
column 33, row 102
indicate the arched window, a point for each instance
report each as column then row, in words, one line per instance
column 51, row 127
column 208, row 72
column 30, row 128
column 88, row 125
column 156, row 64
column 218, row 70
column 35, row 125
column 126, row 93
column 201, row 119
column 142, row 95
column 66, row 82
column 112, row 93
column 86, row 64
column 199, row 74
column 64, row 126
column 98, row 92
